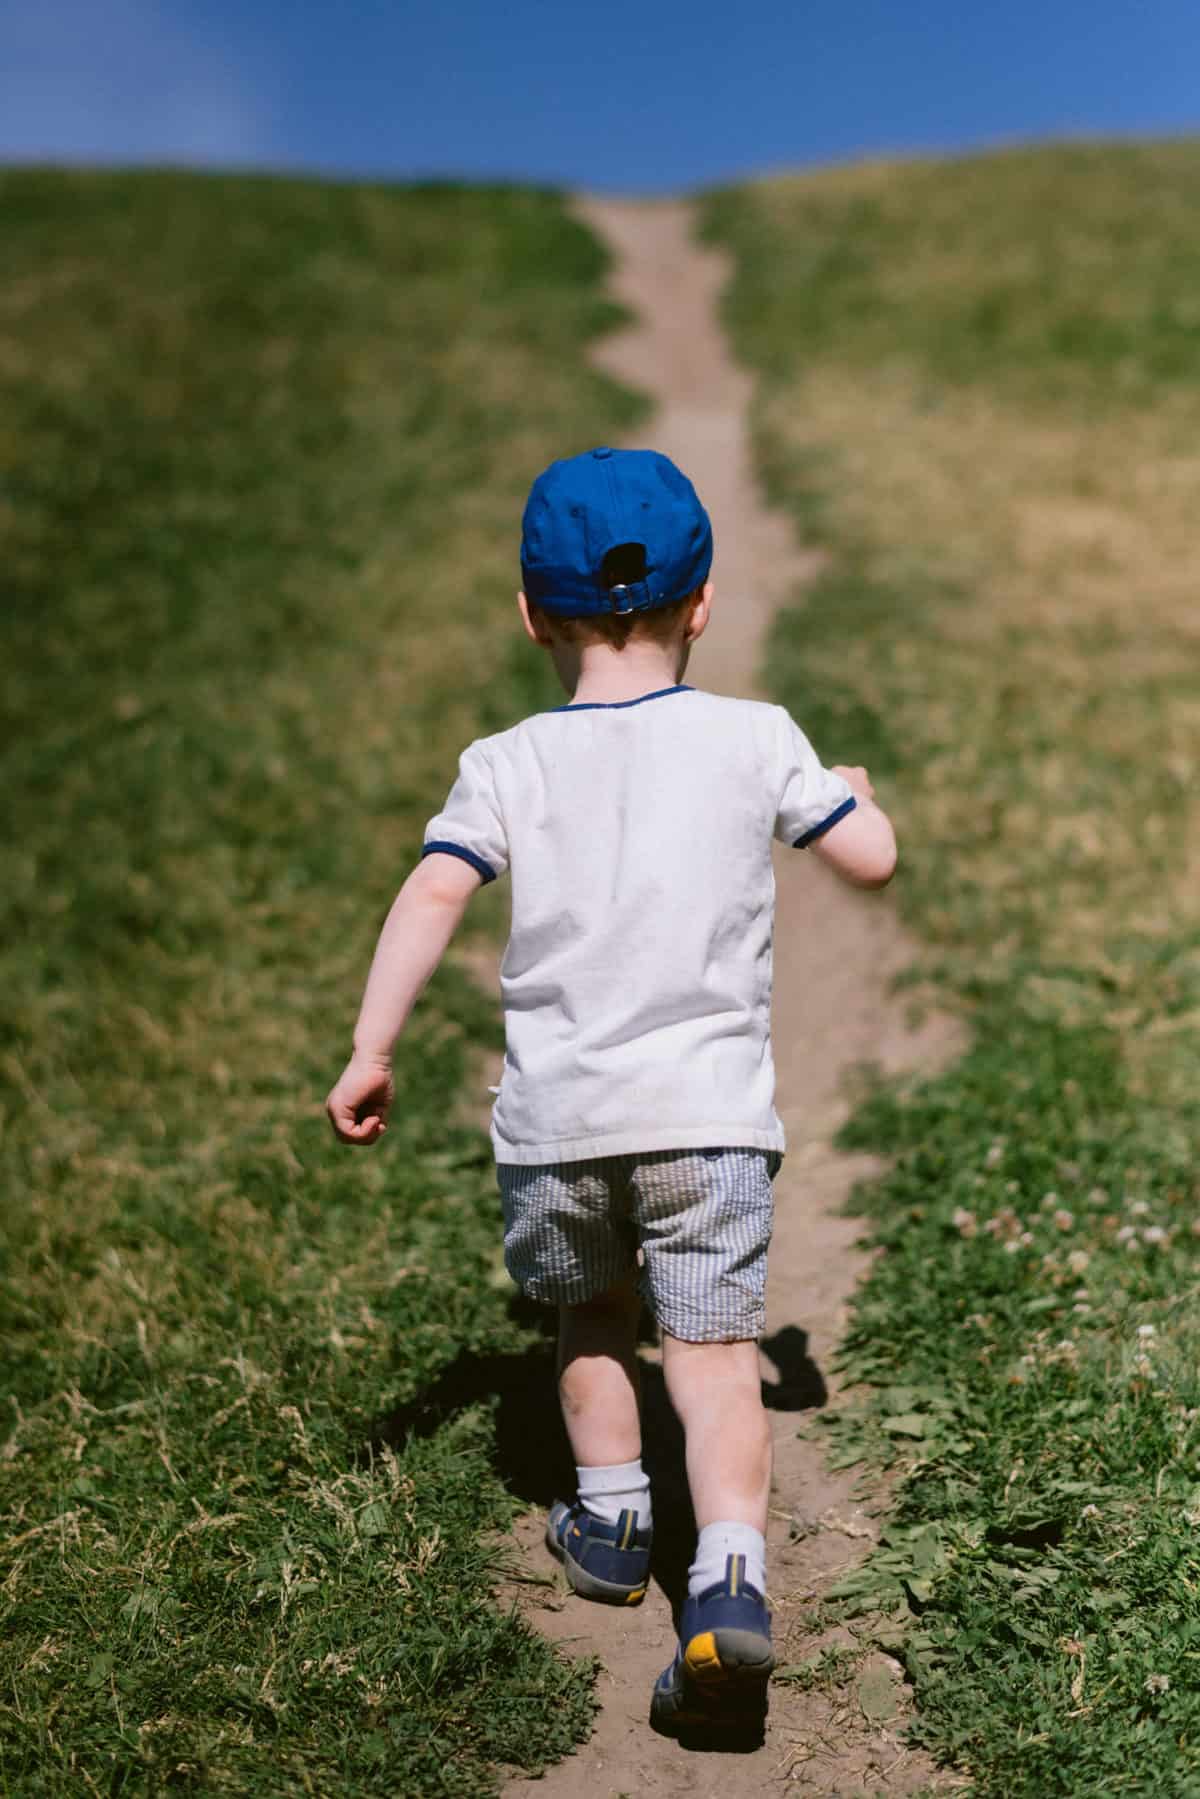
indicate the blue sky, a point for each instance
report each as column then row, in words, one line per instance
column 631, row 95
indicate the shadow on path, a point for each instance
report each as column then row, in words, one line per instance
column 533, row 1456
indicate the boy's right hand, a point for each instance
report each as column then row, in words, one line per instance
column 360, row 1100
column 858, row 781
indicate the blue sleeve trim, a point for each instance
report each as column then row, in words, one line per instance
column 481, row 867
column 826, row 824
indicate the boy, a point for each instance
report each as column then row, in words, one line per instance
column 634, row 1122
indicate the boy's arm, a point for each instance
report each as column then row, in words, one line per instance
column 862, row 846
column 424, row 917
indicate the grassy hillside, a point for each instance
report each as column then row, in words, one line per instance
column 263, row 446
column 979, row 389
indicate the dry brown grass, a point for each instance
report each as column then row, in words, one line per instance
column 982, row 389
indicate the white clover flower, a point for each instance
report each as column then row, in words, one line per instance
column 1157, row 1683
column 1147, row 1330
column 1011, row 1247
column 995, row 1154
column 1078, row 1260
column 1049, row 1201
column 1090, row 1511
column 1082, row 1307
column 964, row 1222
column 1064, row 1220
column 1025, row 1239
column 1154, row 1234
column 1133, row 1246
column 1098, row 1196
column 1138, row 1208
column 1127, row 1233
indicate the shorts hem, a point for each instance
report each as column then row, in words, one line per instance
column 685, row 1330
column 540, row 1296
column 747, row 1331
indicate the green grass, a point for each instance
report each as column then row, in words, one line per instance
column 263, row 446
column 979, row 392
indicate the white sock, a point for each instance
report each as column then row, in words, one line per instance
column 607, row 1492
column 720, row 1540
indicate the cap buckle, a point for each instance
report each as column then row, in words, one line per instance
column 630, row 596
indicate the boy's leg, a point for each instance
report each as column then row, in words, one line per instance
column 716, row 1389
column 604, row 1538
column 721, row 1669
column 705, row 1221
column 599, row 1391
column 566, row 1233
column 598, row 1377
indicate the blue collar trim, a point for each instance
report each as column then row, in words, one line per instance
column 619, row 705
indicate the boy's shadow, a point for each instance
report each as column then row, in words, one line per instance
column 532, row 1453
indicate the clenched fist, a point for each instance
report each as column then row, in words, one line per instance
column 360, row 1100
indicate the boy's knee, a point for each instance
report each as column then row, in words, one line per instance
column 708, row 1369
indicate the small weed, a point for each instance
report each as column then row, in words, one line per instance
column 830, row 1669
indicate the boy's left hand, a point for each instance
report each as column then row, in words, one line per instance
column 360, row 1100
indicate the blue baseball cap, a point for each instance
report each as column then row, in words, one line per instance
column 584, row 508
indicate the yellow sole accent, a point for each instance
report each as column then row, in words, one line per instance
column 701, row 1654
column 635, row 1598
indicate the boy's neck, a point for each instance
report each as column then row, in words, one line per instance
column 606, row 675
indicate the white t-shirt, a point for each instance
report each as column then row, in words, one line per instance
column 637, row 978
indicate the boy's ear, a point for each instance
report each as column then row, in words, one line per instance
column 698, row 618
column 535, row 625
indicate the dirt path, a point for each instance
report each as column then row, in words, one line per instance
column 835, row 952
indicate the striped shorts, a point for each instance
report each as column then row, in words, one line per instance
column 696, row 1221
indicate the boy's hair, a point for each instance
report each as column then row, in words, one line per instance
column 659, row 623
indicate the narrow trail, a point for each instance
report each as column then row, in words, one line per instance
column 835, row 955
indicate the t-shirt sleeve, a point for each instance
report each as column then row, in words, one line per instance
column 811, row 796
column 471, row 824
